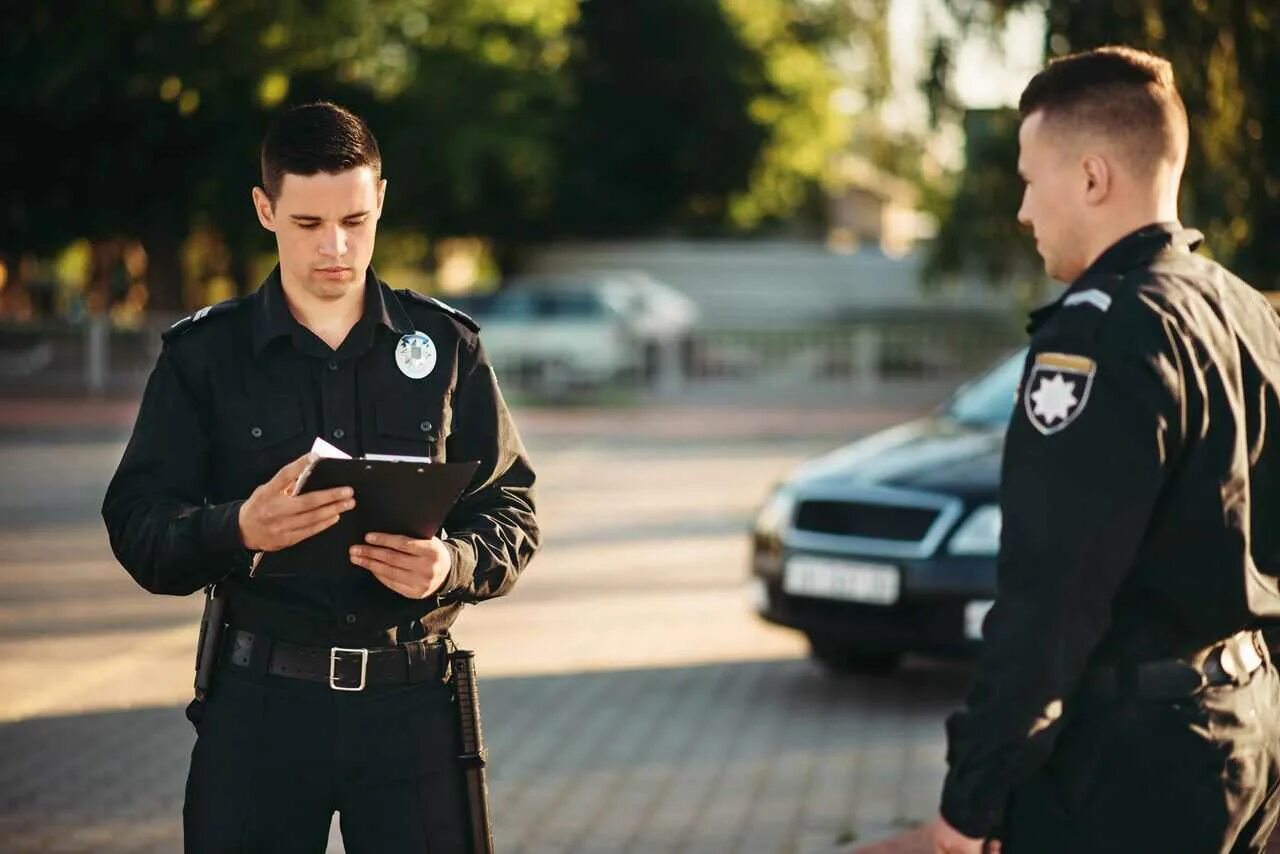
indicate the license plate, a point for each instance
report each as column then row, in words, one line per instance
column 974, row 613
column 830, row 578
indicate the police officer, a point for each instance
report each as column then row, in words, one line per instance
column 294, row 728
column 1124, row 700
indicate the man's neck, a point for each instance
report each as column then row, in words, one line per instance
column 330, row 320
column 1118, row 226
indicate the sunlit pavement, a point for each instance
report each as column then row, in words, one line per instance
column 632, row 701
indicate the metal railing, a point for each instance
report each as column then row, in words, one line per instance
column 93, row 359
column 90, row 359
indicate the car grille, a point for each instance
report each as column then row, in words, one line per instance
column 864, row 519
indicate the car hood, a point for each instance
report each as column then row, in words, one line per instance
column 932, row 454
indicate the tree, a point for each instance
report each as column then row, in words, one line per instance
column 513, row 120
column 1226, row 57
column 813, row 52
column 143, row 117
column 659, row 132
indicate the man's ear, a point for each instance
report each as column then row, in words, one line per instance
column 263, row 207
column 1097, row 176
column 382, row 195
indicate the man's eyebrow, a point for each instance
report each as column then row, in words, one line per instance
column 314, row 218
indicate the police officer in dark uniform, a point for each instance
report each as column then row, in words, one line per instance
column 1124, row 700
column 330, row 694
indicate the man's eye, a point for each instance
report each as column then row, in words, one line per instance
column 309, row 226
column 353, row 223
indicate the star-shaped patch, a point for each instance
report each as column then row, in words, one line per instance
column 1054, row 399
column 1060, row 384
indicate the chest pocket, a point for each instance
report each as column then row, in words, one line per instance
column 405, row 429
column 257, row 440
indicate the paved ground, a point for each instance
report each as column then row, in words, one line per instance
column 632, row 701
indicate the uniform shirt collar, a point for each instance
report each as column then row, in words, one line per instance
column 1139, row 247
column 1133, row 250
column 272, row 318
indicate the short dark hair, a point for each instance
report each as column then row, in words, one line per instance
column 1123, row 94
column 314, row 138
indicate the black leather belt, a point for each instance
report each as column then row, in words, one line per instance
column 343, row 668
column 1229, row 662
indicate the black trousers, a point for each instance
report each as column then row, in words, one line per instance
column 1196, row 776
column 275, row 758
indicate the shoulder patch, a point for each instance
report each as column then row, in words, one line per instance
column 1058, row 390
column 440, row 305
column 191, row 320
column 1094, row 297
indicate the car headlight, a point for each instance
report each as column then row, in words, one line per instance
column 776, row 514
column 980, row 533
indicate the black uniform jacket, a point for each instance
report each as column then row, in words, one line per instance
column 1140, row 494
column 241, row 388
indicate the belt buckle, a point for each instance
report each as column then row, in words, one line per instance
column 333, row 668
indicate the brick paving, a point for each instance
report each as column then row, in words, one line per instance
column 632, row 701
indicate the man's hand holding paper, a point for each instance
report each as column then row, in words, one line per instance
column 413, row 568
column 274, row 518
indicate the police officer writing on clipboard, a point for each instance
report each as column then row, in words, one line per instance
column 329, row 694
column 1124, row 700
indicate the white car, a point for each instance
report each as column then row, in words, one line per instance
column 558, row 334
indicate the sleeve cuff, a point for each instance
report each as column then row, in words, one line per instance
column 463, row 568
column 220, row 534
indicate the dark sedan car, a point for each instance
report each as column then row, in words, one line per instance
column 888, row 545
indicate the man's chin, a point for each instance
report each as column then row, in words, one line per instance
column 1053, row 269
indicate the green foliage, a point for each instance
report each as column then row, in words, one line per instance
column 980, row 231
column 1226, row 58
column 659, row 131
column 515, row 120
column 807, row 48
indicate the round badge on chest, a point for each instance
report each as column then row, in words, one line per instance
column 416, row 355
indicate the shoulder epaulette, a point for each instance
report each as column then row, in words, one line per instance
column 1098, row 295
column 191, row 320
column 1101, row 300
column 440, row 305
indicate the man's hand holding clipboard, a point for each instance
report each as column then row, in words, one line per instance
column 395, row 508
column 411, row 567
column 275, row 517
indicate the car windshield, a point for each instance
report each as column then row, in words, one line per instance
column 526, row 303
column 989, row 399
column 569, row 304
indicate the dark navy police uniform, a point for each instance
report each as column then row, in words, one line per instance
column 1124, row 700
column 239, row 390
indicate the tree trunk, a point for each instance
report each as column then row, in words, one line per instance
column 164, row 271
column 12, row 263
column 14, row 303
column 240, row 265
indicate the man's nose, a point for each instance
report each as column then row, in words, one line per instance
column 1024, row 216
column 334, row 244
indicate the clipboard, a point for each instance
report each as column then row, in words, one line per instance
column 393, row 496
